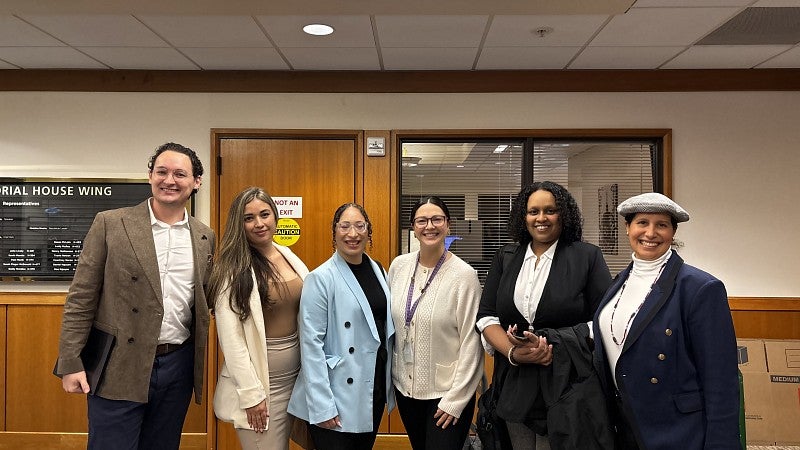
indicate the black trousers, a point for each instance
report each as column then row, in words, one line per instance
column 155, row 425
column 325, row 439
column 422, row 431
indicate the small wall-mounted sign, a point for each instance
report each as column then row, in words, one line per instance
column 376, row 146
column 289, row 207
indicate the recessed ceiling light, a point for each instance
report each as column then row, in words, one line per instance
column 318, row 29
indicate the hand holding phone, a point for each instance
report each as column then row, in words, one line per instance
column 520, row 334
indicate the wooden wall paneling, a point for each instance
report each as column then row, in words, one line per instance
column 29, row 342
column 32, row 347
column 766, row 318
column 196, row 416
column 380, row 201
column 372, row 174
column 767, row 324
column 33, row 394
column 226, row 437
column 377, row 194
column 32, row 298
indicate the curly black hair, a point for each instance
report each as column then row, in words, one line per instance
column 569, row 213
column 338, row 215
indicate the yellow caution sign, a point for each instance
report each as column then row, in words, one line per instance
column 287, row 232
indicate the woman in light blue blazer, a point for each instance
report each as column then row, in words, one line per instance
column 346, row 337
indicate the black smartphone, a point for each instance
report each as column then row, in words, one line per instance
column 518, row 333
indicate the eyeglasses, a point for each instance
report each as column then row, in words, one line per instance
column 160, row 173
column 422, row 222
column 345, row 227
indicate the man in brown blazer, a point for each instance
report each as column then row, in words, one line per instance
column 141, row 277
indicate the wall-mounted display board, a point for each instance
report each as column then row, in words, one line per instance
column 43, row 222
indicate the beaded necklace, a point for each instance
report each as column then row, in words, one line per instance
column 630, row 319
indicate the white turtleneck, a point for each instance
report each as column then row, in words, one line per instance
column 625, row 304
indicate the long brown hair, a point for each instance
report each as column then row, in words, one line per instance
column 231, row 276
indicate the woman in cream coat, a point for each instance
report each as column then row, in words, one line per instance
column 255, row 287
column 438, row 355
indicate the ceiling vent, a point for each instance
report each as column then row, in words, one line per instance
column 758, row 26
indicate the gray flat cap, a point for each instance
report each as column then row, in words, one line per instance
column 653, row 202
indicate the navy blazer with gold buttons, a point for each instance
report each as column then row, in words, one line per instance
column 677, row 373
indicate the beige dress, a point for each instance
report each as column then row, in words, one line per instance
column 283, row 354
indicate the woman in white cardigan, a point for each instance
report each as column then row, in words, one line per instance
column 255, row 289
column 438, row 359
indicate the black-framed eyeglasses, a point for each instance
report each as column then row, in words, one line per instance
column 345, row 227
column 422, row 222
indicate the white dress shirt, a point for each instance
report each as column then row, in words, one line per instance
column 176, row 267
column 528, row 289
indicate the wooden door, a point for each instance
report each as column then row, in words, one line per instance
column 322, row 172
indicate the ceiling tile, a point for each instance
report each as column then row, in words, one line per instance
column 429, row 58
column 661, row 26
column 588, row 35
column 147, row 58
column 236, row 58
column 520, row 31
column 97, row 30
column 332, row 58
column 430, row 31
column 789, row 59
column 48, row 58
column 624, row 57
column 349, row 31
column 15, row 32
column 521, row 58
column 724, row 56
column 207, row 31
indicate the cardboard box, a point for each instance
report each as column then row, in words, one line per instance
column 759, row 416
column 783, row 356
column 757, row 391
column 756, row 356
column 783, row 362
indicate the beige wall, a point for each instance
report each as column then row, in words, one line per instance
column 735, row 154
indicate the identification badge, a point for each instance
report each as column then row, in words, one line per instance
column 408, row 351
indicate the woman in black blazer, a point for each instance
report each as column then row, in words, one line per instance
column 665, row 343
column 549, row 281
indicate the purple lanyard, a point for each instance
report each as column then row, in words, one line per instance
column 411, row 309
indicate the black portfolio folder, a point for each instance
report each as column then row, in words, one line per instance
column 95, row 356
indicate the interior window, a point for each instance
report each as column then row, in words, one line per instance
column 478, row 180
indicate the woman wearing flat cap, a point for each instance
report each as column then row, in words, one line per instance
column 665, row 347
